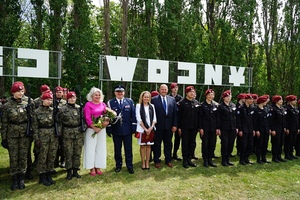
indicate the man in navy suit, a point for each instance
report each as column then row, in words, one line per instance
column 123, row 128
column 166, row 114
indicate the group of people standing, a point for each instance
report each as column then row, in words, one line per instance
column 250, row 123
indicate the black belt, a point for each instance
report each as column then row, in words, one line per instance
column 46, row 127
column 17, row 123
column 67, row 126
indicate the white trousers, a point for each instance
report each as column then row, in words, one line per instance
column 94, row 155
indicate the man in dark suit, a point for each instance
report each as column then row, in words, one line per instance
column 166, row 113
column 123, row 128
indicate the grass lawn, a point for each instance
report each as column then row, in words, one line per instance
column 267, row 181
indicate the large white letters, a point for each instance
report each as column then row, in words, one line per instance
column 237, row 76
column 213, row 74
column 158, row 71
column 1, row 61
column 42, row 63
column 121, row 68
column 191, row 78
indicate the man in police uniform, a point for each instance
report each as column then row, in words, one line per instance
column 123, row 128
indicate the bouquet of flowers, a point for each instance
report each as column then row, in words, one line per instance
column 108, row 116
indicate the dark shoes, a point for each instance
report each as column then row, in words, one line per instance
column 69, row 174
column 281, row 159
column 175, row 157
column 195, row 158
column 157, row 165
column 190, row 163
column 43, row 180
column 131, row 171
column 169, row 164
column 118, row 169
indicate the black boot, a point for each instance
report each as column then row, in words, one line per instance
column 247, row 161
column 228, row 161
column 21, row 181
column 190, row 163
column 205, row 162
column 49, row 178
column 210, row 163
column 264, row 159
column 14, row 184
column 69, row 174
column 258, row 160
column 185, row 163
column 75, row 173
column 242, row 160
column 224, row 162
column 44, row 180
column 28, row 175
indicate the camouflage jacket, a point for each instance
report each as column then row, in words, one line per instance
column 14, row 119
column 43, row 123
column 69, row 119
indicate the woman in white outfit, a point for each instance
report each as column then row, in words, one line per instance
column 146, row 119
column 94, row 156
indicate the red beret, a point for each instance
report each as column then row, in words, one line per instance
column 241, row 96
column 47, row 95
column 254, row 96
column 58, row 88
column 19, row 82
column 248, row 96
column 189, row 88
column 291, row 98
column 16, row 87
column 276, row 98
column 208, row 91
column 44, row 88
column 262, row 99
column 226, row 93
column 71, row 94
column 173, row 85
column 154, row 93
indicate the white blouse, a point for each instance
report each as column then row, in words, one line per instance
column 139, row 128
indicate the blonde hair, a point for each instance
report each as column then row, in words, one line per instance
column 92, row 92
column 142, row 95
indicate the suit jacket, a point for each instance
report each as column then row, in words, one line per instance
column 226, row 116
column 127, row 125
column 245, row 118
column 165, row 122
column 277, row 120
column 261, row 120
column 208, row 116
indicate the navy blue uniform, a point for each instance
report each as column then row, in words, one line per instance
column 122, row 130
column 292, row 124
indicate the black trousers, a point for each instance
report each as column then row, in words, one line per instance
column 261, row 144
column 188, row 144
column 227, row 141
column 246, row 144
column 209, row 140
column 289, row 142
column 176, row 142
column 277, row 144
column 164, row 136
column 297, row 145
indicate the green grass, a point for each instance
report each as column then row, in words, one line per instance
column 267, row 181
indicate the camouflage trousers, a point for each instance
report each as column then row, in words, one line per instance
column 18, row 150
column 73, row 149
column 46, row 156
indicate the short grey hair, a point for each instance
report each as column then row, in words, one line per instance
column 92, row 92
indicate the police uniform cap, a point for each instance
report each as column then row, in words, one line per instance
column 71, row 94
column 119, row 88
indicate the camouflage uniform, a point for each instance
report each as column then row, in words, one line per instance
column 69, row 116
column 37, row 102
column 43, row 133
column 14, row 131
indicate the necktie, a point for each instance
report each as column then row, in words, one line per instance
column 120, row 103
column 165, row 104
